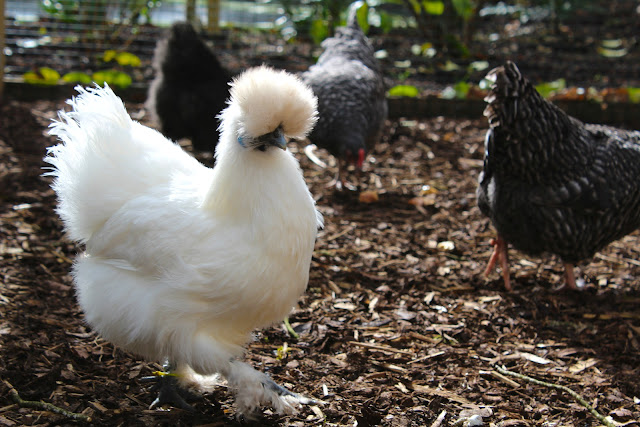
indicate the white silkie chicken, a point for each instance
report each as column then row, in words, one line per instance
column 183, row 262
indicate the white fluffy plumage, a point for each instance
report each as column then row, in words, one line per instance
column 183, row 262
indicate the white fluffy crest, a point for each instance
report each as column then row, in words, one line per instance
column 183, row 262
column 285, row 100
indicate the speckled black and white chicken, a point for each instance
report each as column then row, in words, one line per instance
column 550, row 183
column 190, row 88
column 352, row 106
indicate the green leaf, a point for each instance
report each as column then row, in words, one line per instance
column 77, row 77
column 43, row 76
column 461, row 88
column 112, row 78
column 634, row 94
column 464, row 8
column 404, row 90
column 386, row 24
column 612, row 53
column 319, row 30
column 362, row 15
column 433, row 7
column 126, row 58
column 416, row 6
column 450, row 66
column 49, row 74
column 611, row 43
column 546, row 89
column 122, row 58
column 109, row 55
column 479, row 65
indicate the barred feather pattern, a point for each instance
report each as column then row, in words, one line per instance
column 348, row 82
column 551, row 183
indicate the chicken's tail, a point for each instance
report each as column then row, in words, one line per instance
column 514, row 104
column 352, row 17
column 104, row 159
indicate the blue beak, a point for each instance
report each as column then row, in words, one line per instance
column 279, row 140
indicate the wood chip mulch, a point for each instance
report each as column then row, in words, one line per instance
column 397, row 328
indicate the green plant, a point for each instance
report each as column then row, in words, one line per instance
column 112, row 78
column 448, row 24
column 462, row 87
column 547, row 88
column 319, row 18
column 77, row 77
column 65, row 10
column 42, row 76
column 404, row 90
column 122, row 58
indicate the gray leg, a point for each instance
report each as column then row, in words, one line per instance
column 166, row 384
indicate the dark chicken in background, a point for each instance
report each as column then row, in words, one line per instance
column 352, row 105
column 550, row 183
column 190, row 88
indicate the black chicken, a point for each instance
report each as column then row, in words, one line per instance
column 190, row 88
column 352, row 106
column 551, row 183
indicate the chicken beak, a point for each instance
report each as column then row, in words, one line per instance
column 278, row 140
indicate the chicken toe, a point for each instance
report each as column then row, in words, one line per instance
column 169, row 392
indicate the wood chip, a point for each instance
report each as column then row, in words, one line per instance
column 439, row 392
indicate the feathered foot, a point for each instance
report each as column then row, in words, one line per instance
column 501, row 255
column 166, row 384
column 255, row 390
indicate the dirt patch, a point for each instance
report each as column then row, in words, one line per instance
column 397, row 326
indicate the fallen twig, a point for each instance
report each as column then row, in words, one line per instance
column 439, row 392
column 380, row 347
column 604, row 420
column 438, row 422
column 43, row 406
column 508, row 381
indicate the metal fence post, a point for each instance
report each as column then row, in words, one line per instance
column 2, row 57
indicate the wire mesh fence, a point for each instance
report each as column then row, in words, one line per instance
column 53, row 39
column 47, row 40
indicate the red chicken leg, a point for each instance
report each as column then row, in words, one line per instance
column 501, row 255
column 569, row 277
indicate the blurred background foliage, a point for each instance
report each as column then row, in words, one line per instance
column 446, row 24
column 450, row 42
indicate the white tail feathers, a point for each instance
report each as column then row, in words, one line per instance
column 104, row 159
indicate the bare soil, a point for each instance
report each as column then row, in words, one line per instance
column 398, row 324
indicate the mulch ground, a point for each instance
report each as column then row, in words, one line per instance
column 398, row 325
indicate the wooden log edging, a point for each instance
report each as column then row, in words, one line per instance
column 617, row 114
